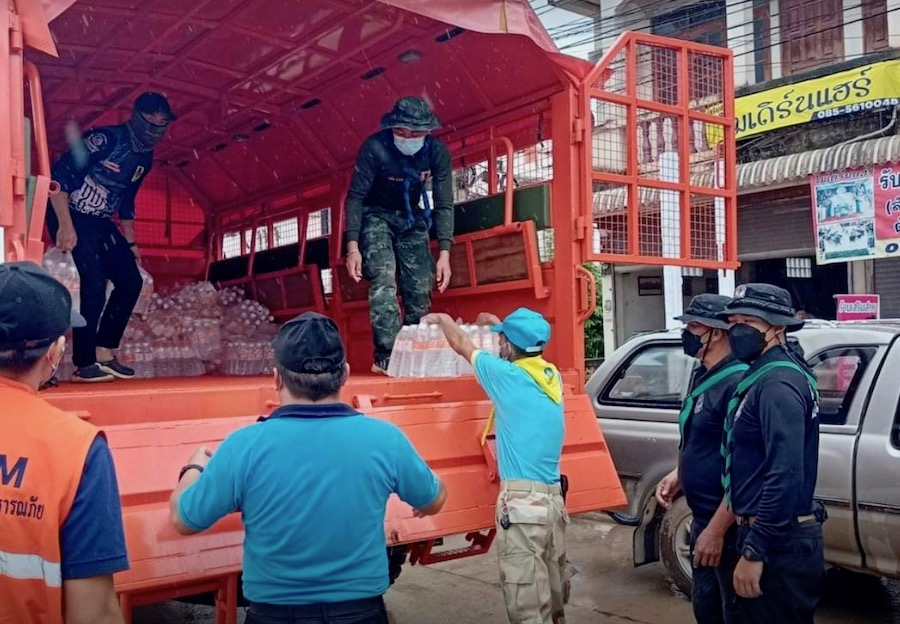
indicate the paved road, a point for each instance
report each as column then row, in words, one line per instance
column 606, row 589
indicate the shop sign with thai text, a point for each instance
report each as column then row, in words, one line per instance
column 866, row 88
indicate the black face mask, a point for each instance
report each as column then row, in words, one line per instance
column 145, row 134
column 747, row 343
column 691, row 343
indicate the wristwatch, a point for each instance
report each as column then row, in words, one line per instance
column 196, row 467
column 749, row 553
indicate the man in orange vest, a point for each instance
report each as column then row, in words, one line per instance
column 61, row 534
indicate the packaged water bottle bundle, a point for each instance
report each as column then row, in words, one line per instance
column 61, row 265
column 423, row 351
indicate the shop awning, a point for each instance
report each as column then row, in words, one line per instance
column 793, row 169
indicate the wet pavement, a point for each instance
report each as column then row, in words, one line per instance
column 605, row 589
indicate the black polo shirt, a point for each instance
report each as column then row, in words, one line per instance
column 701, row 462
column 776, row 451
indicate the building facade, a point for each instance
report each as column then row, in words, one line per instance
column 818, row 92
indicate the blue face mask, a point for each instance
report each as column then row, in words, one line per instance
column 409, row 147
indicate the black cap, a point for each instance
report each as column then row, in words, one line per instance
column 310, row 343
column 412, row 113
column 767, row 302
column 152, row 102
column 35, row 309
column 705, row 309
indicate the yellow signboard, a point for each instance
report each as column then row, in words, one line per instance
column 864, row 88
column 856, row 90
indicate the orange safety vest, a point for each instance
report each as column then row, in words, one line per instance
column 42, row 455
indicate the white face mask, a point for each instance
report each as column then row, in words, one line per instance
column 55, row 365
column 409, row 147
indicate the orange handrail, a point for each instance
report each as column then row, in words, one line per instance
column 33, row 78
column 510, row 153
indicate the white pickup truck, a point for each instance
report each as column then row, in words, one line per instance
column 637, row 393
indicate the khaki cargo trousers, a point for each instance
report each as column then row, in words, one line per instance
column 532, row 551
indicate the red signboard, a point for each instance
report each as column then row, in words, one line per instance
column 857, row 307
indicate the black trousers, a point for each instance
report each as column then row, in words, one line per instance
column 365, row 611
column 712, row 588
column 101, row 254
column 792, row 580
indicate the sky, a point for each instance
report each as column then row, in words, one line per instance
column 555, row 18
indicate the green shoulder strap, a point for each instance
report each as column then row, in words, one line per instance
column 713, row 380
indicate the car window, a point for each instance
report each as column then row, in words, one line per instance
column 838, row 372
column 895, row 430
column 656, row 376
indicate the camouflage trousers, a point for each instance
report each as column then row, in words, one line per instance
column 532, row 552
column 395, row 255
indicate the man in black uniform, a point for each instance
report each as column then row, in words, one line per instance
column 700, row 464
column 385, row 228
column 99, row 178
column 771, row 451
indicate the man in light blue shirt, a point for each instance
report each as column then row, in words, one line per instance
column 311, row 481
column 526, row 392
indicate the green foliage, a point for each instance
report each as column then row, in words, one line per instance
column 593, row 327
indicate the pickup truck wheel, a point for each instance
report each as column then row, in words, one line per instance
column 675, row 545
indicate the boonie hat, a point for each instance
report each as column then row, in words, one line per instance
column 412, row 113
column 525, row 329
column 767, row 302
column 152, row 102
column 310, row 343
column 35, row 309
column 705, row 309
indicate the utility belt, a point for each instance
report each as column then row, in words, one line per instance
column 819, row 515
column 524, row 485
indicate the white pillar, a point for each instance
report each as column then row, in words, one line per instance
column 893, row 6
column 775, row 38
column 670, row 219
column 726, row 276
column 608, row 294
column 854, row 45
column 740, row 39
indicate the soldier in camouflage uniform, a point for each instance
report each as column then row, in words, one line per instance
column 389, row 217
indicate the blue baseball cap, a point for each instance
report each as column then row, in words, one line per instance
column 525, row 329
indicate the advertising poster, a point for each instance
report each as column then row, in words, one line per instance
column 856, row 214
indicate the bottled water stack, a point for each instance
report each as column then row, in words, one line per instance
column 422, row 351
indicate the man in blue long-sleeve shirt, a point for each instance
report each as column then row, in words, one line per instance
column 771, row 447
column 99, row 178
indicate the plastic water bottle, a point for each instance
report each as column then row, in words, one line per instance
column 447, row 357
column 418, row 363
column 463, row 367
column 398, row 365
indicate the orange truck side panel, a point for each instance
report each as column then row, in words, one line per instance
column 149, row 453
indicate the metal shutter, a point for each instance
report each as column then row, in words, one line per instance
column 887, row 284
column 773, row 227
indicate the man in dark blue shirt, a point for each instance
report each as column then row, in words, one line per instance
column 700, row 465
column 99, row 178
column 771, row 451
column 311, row 481
column 387, row 233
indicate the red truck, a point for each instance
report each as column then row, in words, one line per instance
column 274, row 98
